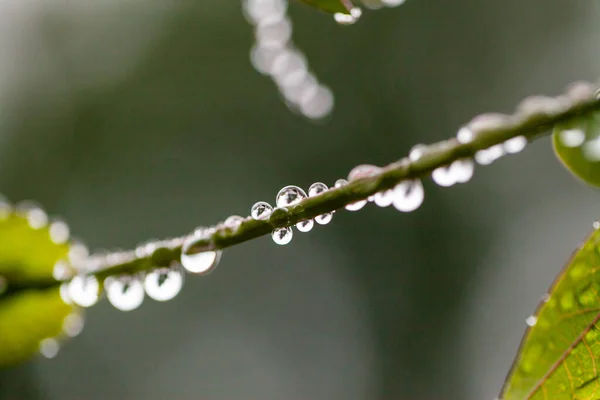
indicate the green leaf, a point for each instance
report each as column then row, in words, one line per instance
column 577, row 145
column 27, row 258
column 559, row 356
column 330, row 6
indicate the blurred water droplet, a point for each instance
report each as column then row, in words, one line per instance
column 49, row 348
column 83, row 290
column 488, row 122
column 416, row 152
column 488, row 156
column 37, row 218
column 261, row 211
column 591, row 149
column 233, row 222
column 199, row 263
column 305, row 226
column 163, row 284
column 339, row 183
column 61, row 271
column 289, row 196
column 317, row 188
column 408, row 195
column 274, row 32
column 531, row 320
column 465, row 135
column 125, row 293
column 348, row 19
column 443, row 176
column 515, row 145
column 64, row 293
column 384, row 199
column 572, row 137
column 282, row 236
column 59, row 232
column 73, row 324
column 462, row 170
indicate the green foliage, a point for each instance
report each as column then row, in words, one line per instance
column 330, row 6
column 559, row 357
column 28, row 316
column 577, row 145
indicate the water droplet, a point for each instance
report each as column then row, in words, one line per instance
column 317, row 188
column 348, row 19
column 305, row 226
column 443, row 176
column 83, row 290
column 362, row 171
column 73, row 324
column 540, row 106
column 357, row 205
column 591, row 150
column 384, row 199
column 572, row 137
column 408, row 195
column 596, row 225
column 233, row 222
column 417, row 152
column 199, row 263
column 37, row 218
column 515, row 145
column 282, row 235
column 261, row 211
column 163, row 284
column 488, row 122
column 59, row 232
column 125, row 293
column 339, row 183
column 488, row 156
column 462, row 170
column 546, row 297
column 61, row 271
column 289, row 196
column 324, row 219
column 49, row 348
column 531, row 320
column 78, row 253
column 465, row 135
column 64, row 293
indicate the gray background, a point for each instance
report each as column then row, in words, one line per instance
column 140, row 119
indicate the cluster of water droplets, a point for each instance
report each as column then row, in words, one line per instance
column 274, row 54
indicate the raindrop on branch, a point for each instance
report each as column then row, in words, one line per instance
column 305, row 226
column 261, row 211
column 83, row 290
column 49, row 348
column 384, row 199
column 125, row 293
column 408, row 195
column 314, row 190
column 163, row 284
column 289, row 196
column 282, row 236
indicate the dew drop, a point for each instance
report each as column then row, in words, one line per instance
column 49, row 348
column 261, row 211
column 357, row 205
column 362, row 171
column 305, row 226
column 462, row 170
column 289, row 196
column 417, row 152
column 531, row 320
column 572, row 137
column 163, row 284
column 591, row 150
column 283, row 235
column 73, row 324
column 465, row 135
column 384, row 199
column 61, row 271
column 83, row 290
column 443, row 176
column 78, row 253
column 317, row 188
column 37, row 218
column 59, row 232
column 233, row 221
column 408, row 195
column 339, row 183
column 324, row 219
column 348, row 19
column 199, row 263
column 64, row 293
column 125, row 293
column 515, row 145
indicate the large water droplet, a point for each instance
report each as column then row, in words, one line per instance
column 488, row 156
column 462, row 170
column 572, row 137
column 289, row 196
column 362, row 171
column 83, row 290
column 408, row 195
column 324, row 219
column 384, row 199
column 261, row 211
column 416, row 152
column 62, row 271
column 348, row 19
column 515, row 145
column 199, row 263
column 163, row 284
column 305, row 226
column 317, row 188
column 282, row 235
column 59, row 232
column 73, row 324
column 49, row 348
column 443, row 176
column 125, row 293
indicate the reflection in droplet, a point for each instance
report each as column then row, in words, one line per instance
column 59, row 232
column 572, row 137
column 283, row 235
column 408, row 195
column 317, row 188
column 515, row 145
column 465, row 135
column 261, row 211
column 73, row 324
column 305, row 226
column 289, row 196
column 49, row 348
column 125, row 293
column 384, row 199
column 163, row 284
column 199, row 263
column 83, row 290
column 348, row 19
column 324, row 219
column 64, row 293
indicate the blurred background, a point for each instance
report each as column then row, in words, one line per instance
column 143, row 119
